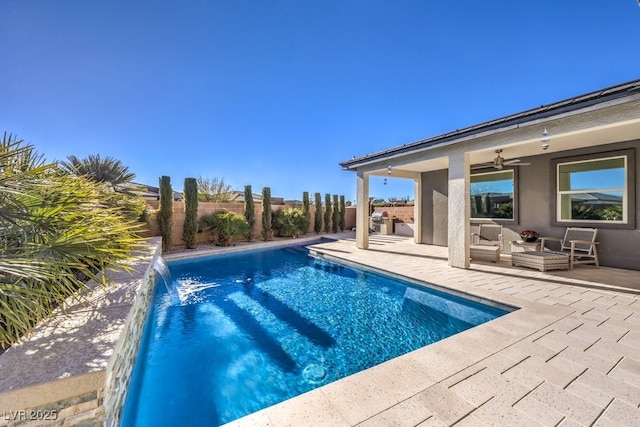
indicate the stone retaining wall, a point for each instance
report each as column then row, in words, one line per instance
column 120, row 368
column 78, row 400
column 75, row 368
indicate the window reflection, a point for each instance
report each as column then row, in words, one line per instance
column 492, row 195
column 593, row 190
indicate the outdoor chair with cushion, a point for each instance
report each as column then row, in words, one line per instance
column 488, row 234
column 579, row 244
column 486, row 243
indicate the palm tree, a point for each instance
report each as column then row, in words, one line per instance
column 56, row 231
column 115, row 176
column 103, row 170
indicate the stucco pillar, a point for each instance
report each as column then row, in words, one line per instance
column 417, row 209
column 458, row 210
column 362, row 210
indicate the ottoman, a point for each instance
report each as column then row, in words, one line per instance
column 485, row 253
column 543, row 261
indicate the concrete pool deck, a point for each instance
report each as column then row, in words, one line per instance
column 569, row 356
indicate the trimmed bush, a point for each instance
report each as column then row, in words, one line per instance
column 343, row 213
column 327, row 213
column 190, row 228
column 290, row 222
column 317, row 220
column 165, row 214
column 267, row 232
column 335, row 214
column 306, row 209
column 249, row 211
column 224, row 227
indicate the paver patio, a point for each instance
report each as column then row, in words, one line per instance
column 569, row 356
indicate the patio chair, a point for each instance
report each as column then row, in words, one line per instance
column 579, row 244
column 486, row 243
column 488, row 235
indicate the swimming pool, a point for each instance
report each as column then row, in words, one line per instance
column 239, row 332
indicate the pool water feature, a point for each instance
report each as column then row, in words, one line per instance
column 248, row 330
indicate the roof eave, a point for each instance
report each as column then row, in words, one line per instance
column 542, row 112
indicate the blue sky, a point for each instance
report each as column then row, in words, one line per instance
column 277, row 93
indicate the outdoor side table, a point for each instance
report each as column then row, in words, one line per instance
column 521, row 246
column 543, row 261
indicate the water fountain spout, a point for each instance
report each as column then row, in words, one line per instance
column 160, row 266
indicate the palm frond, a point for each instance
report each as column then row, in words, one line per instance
column 57, row 230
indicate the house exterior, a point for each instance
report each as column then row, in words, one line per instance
column 238, row 197
column 149, row 192
column 570, row 163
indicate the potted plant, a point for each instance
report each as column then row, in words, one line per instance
column 529, row 235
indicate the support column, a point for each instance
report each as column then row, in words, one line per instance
column 458, row 210
column 362, row 210
column 417, row 209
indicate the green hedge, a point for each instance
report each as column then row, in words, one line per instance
column 249, row 211
column 317, row 220
column 190, row 228
column 165, row 214
column 267, row 232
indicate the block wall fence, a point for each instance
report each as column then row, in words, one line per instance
column 205, row 208
column 400, row 213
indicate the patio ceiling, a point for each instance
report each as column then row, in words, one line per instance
column 436, row 158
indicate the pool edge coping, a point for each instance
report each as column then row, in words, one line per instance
column 348, row 400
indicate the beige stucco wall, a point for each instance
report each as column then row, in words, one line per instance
column 535, row 195
column 618, row 247
column 435, row 207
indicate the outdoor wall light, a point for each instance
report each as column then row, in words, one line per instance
column 545, row 139
column 389, row 169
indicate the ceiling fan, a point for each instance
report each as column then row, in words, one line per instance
column 499, row 162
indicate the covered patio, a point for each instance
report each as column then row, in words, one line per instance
column 533, row 147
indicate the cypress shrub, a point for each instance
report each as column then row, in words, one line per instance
column 249, row 211
column 343, row 212
column 267, row 231
column 327, row 213
column 306, row 209
column 190, row 228
column 335, row 221
column 165, row 214
column 317, row 220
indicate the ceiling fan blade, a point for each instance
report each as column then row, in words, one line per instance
column 482, row 166
column 522, row 164
column 510, row 162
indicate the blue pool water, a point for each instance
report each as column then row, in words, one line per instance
column 236, row 333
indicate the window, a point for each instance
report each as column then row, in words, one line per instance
column 593, row 190
column 492, row 195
